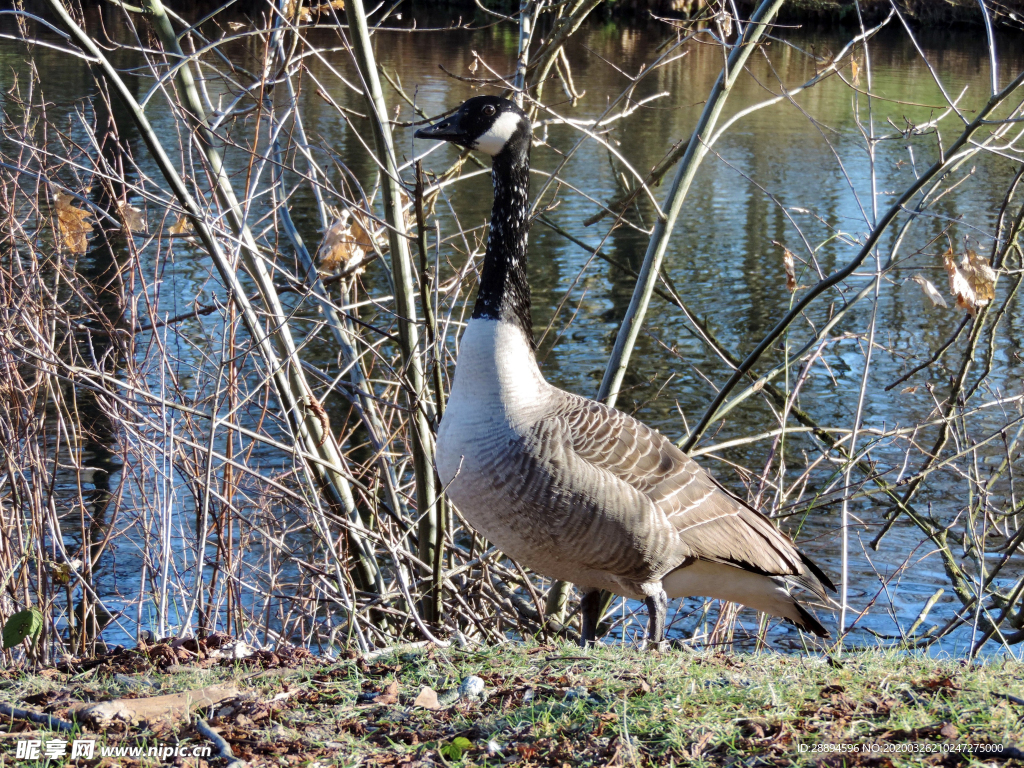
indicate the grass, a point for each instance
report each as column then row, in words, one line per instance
column 552, row 705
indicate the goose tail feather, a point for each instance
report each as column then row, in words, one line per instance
column 705, row 578
column 807, row 622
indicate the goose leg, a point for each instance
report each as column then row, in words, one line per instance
column 590, row 607
column 657, row 608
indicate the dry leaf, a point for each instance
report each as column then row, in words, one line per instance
column 427, row 698
column 790, row 264
column 318, row 410
column 72, row 225
column 134, row 218
column 930, row 290
column 980, row 275
column 337, row 5
column 340, row 245
column 959, row 286
column 973, row 282
column 474, row 64
column 910, row 390
column 361, row 233
column 182, row 226
column 724, row 21
column 408, row 208
column 354, row 235
column 854, row 72
column 349, row 239
column 389, row 695
column 697, row 748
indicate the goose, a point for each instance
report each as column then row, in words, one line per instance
column 570, row 487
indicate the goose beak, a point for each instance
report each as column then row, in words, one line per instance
column 447, row 130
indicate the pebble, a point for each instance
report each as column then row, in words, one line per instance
column 472, row 687
column 238, row 649
column 574, row 694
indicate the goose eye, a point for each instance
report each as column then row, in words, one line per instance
column 488, row 110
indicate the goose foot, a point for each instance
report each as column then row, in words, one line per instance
column 663, row 647
column 657, row 608
column 590, row 608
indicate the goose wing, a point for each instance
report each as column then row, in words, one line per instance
column 708, row 522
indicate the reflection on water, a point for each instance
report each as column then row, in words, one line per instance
column 795, row 174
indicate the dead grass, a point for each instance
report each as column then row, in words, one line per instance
column 551, row 705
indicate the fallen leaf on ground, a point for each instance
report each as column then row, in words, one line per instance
column 389, row 695
column 427, row 698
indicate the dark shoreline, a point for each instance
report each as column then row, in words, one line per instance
column 843, row 13
column 1006, row 15
column 823, row 14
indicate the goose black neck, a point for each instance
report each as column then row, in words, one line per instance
column 504, row 288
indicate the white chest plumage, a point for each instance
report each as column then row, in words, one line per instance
column 491, row 463
column 497, row 396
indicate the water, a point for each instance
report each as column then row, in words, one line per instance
column 795, row 174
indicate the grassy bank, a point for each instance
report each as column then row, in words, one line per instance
column 552, row 705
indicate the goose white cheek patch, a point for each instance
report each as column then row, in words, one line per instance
column 494, row 139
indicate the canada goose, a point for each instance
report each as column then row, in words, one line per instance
column 574, row 489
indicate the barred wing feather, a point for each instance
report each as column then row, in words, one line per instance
column 708, row 522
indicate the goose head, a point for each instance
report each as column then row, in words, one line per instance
column 488, row 124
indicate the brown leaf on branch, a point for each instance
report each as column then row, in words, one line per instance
column 293, row 7
column 959, row 286
column 972, row 283
column 346, row 241
column 182, row 226
column 789, row 263
column 318, row 410
column 134, row 218
column 930, row 290
column 980, row 275
column 72, row 225
column 355, row 236
column 326, row 8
